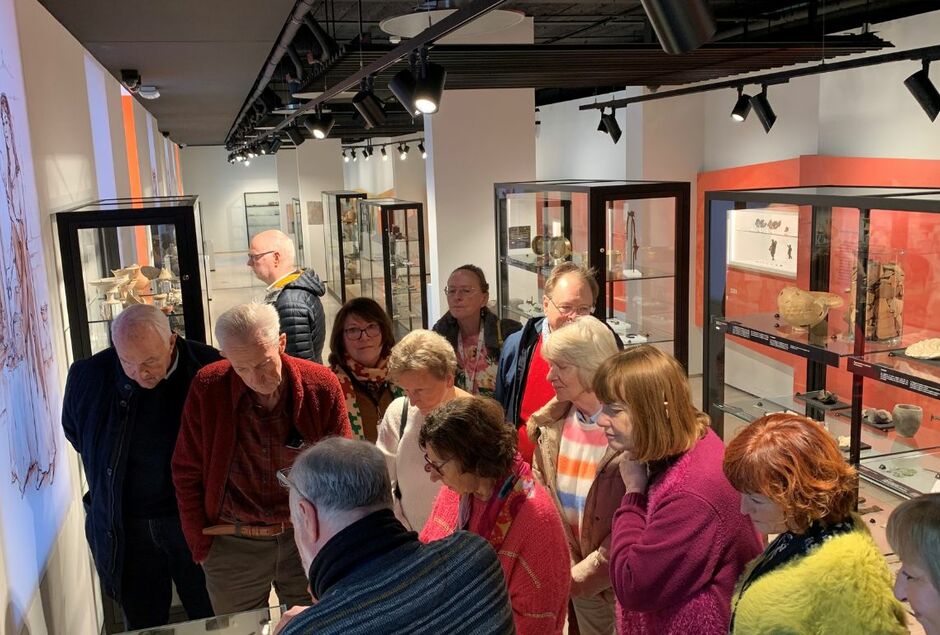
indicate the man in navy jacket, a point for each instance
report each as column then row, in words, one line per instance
column 122, row 413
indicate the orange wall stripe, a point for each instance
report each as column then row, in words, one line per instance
column 179, row 170
column 141, row 237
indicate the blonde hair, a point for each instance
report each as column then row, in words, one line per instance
column 582, row 273
column 584, row 343
column 248, row 324
column 914, row 534
column 654, row 388
column 423, row 350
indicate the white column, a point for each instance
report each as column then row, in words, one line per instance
column 319, row 169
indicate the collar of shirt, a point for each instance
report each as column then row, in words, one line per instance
column 277, row 284
column 176, row 362
column 592, row 420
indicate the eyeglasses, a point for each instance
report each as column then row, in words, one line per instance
column 283, row 477
column 571, row 310
column 461, row 291
column 355, row 333
column 431, row 465
column 252, row 258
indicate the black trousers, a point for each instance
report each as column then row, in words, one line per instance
column 156, row 553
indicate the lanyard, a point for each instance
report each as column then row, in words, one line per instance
column 471, row 379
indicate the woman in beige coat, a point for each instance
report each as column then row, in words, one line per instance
column 573, row 461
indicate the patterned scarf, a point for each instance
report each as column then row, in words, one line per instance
column 374, row 380
column 503, row 507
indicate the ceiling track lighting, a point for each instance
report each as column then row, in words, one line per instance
column 320, row 124
column 761, row 106
column 924, row 90
column 369, row 107
column 384, row 153
column 609, row 125
column 403, row 84
column 424, row 153
column 429, row 85
column 402, row 151
column 680, row 25
column 742, row 107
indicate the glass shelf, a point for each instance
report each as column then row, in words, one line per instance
column 917, row 375
column 823, row 343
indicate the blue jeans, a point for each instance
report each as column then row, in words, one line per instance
column 156, row 553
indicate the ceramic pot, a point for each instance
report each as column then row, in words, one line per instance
column 907, row 418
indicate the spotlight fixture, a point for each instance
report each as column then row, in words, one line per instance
column 149, row 92
column 384, row 153
column 762, row 109
column 610, row 126
column 345, row 157
column 429, row 85
column 294, row 135
column 424, row 153
column 924, row 91
column 368, row 105
column 402, row 86
column 742, row 107
column 402, row 151
column 681, row 25
column 355, row 156
column 319, row 124
column 367, row 153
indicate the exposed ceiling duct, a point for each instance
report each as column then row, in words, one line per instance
column 681, row 25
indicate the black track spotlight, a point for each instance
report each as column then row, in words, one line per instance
column 600, row 124
column 294, row 134
column 345, row 157
column 402, row 86
column 367, row 153
column 424, row 153
column 402, row 151
column 384, row 154
column 742, row 107
column 355, row 155
column 429, row 86
column 762, row 109
column 681, row 25
column 924, row 91
column 319, row 125
column 609, row 125
column 368, row 105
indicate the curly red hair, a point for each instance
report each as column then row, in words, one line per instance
column 796, row 463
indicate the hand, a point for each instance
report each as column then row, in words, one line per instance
column 635, row 476
column 287, row 617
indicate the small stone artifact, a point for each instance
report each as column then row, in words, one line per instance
column 803, row 309
column 907, row 418
column 924, row 349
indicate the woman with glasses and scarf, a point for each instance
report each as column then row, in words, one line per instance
column 490, row 490
column 574, row 462
column 360, row 345
column 473, row 330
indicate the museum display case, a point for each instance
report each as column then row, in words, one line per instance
column 823, row 301
column 261, row 621
column 634, row 234
column 392, row 267
column 341, row 240
column 295, row 225
column 262, row 212
column 115, row 253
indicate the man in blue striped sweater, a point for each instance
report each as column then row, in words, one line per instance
column 368, row 574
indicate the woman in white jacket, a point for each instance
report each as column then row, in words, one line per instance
column 423, row 364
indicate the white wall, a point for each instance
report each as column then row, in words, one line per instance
column 375, row 177
column 320, row 169
column 221, row 187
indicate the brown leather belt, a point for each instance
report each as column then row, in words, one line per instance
column 247, row 531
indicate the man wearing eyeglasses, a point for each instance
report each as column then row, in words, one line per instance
column 522, row 384
column 295, row 293
column 367, row 573
column 245, row 418
column 122, row 414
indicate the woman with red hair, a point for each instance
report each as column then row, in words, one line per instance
column 823, row 573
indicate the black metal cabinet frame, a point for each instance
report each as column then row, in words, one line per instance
column 336, row 254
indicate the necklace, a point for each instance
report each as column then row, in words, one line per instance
column 462, row 354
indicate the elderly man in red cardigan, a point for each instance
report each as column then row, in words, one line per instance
column 245, row 418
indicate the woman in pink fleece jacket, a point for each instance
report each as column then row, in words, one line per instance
column 490, row 491
column 679, row 540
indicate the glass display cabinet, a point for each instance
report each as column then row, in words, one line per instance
column 261, row 621
column 262, row 212
column 295, row 223
column 634, row 234
column 341, row 240
column 823, row 301
column 115, row 253
column 391, row 260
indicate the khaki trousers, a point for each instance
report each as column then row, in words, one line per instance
column 595, row 615
column 240, row 571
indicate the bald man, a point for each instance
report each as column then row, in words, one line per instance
column 122, row 413
column 295, row 293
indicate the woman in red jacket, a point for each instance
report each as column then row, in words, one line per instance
column 490, row 491
column 679, row 540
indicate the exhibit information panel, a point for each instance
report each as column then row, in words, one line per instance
column 823, row 301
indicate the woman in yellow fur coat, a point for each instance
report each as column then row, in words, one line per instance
column 823, row 573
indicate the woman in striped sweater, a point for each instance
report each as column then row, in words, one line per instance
column 574, row 462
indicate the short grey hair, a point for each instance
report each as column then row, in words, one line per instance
column 584, row 343
column 249, row 323
column 423, row 350
column 138, row 315
column 343, row 475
